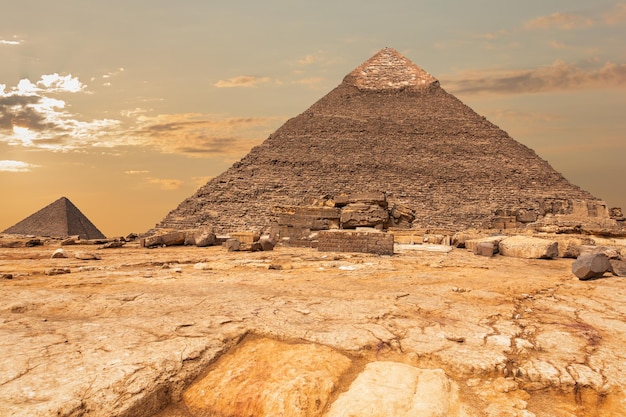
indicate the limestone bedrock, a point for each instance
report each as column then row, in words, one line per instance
column 127, row 335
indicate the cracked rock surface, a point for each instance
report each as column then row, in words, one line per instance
column 133, row 333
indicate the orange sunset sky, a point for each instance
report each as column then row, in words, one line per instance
column 127, row 107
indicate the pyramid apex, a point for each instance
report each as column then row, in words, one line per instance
column 388, row 69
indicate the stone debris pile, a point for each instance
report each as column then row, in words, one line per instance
column 300, row 225
column 203, row 237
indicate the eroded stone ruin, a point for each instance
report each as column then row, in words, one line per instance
column 390, row 127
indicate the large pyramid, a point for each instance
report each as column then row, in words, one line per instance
column 58, row 219
column 388, row 127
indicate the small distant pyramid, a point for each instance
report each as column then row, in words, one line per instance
column 58, row 219
column 388, row 127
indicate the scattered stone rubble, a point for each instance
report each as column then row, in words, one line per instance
column 203, row 237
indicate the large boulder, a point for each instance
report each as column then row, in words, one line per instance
column 165, row 239
column 529, row 247
column 246, row 237
column 173, row 238
column 459, row 238
column 151, row 241
column 59, row 253
column 200, row 238
column 572, row 246
column 591, row 265
column 611, row 253
column 232, row 245
column 86, row 256
column 618, row 267
column 266, row 244
column 485, row 249
column 470, row 244
column 401, row 216
column 364, row 215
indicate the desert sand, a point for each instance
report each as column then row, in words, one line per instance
column 188, row 331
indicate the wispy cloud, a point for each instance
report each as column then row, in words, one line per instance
column 113, row 73
column 241, row 81
column 572, row 21
column 556, row 77
column 492, row 35
column 558, row 45
column 200, row 181
column 166, row 183
column 307, row 60
column 564, row 21
column 617, row 16
column 8, row 165
column 8, row 42
column 309, row 81
column 106, row 77
column 136, row 172
column 522, row 116
column 201, row 135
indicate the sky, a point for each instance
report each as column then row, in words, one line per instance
column 128, row 107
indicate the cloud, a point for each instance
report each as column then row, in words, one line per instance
column 35, row 115
column 522, row 116
column 571, row 21
column 57, row 83
column 557, row 45
column 616, row 16
column 135, row 172
column 200, row 181
column 560, row 76
column 8, row 165
column 30, row 116
column 201, row 135
column 307, row 60
column 106, row 77
column 113, row 73
column 11, row 43
column 241, row 81
column 492, row 35
column 166, row 183
column 563, row 21
column 309, row 81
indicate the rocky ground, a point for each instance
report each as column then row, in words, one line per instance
column 187, row 331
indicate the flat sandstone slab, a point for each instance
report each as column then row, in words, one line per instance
column 399, row 390
column 269, row 378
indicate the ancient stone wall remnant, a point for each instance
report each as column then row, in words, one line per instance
column 379, row 243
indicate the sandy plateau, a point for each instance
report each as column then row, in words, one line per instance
column 188, row 331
